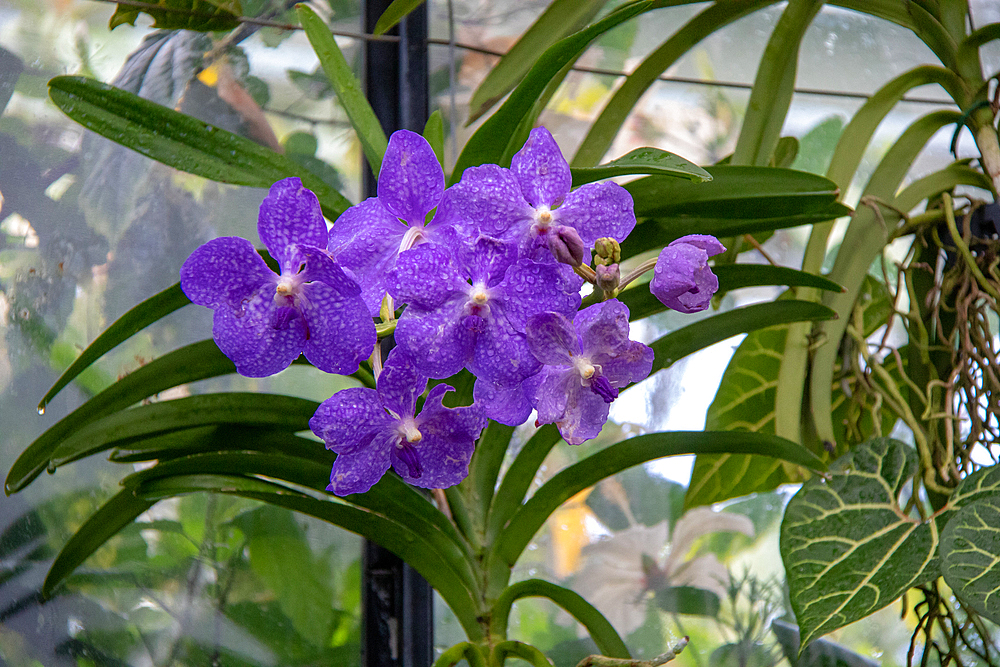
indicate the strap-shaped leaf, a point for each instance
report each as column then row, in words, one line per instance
column 608, row 641
column 703, row 333
column 641, row 302
column 216, row 438
column 848, row 547
column 484, row 469
column 181, row 141
column 774, row 85
column 863, row 242
column 602, row 133
column 203, row 15
column 349, row 90
column 104, row 524
column 391, row 497
column 517, row 481
column 532, row 515
column 251, row 410
column 396, row 536
column 742, row 192
column 559, row 19
column 484, row 146
column 643, row 161
column 151, row 310
column 394, row 13
column 970, row 551
column 197, row 361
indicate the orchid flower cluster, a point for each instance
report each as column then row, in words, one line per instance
column 488, row 273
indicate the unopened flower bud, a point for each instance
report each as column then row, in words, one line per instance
column 607, row 251
column 608, row 277
column 566, row 245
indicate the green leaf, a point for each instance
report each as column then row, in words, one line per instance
column 561, row 18
column 643, row 161
column 434, row 134
column 942, row 180
column 518, row 478
column 688, row 600
column 703, row 333
column 487, row 144
column 848, row 547
column 251, row 410
column 181, row 141
column 349, row 90
column 277, row 548
column 970, row 551
column 602, row 133
column 151, row 310
column 784, row 152
column 819, row 653
column 864, row 241
column 742, row 192
column 197, row 361
column 407, row 543
column 530, row 516
column 114, row 515
column 601, row 631
column 394, row 13
column 745, row 401
column 202, row 15
column 775, row 83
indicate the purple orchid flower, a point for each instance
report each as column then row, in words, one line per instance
column 371, row 429
column 682, row 279
column 368, row 238
column 586, row 362
column 263, row 320
column 532, row 205
column 472, row 313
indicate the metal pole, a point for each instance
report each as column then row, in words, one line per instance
column 396, row 603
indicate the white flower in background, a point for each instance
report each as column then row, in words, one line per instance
column 621, row 571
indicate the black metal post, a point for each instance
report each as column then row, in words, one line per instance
column 396, row 602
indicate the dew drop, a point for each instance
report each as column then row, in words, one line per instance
column 41, row 408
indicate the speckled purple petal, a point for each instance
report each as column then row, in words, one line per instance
column 224, row 272
column 602, row 327
column 501, row 353
column 290, row 214
column 340, row 334
column 400, row 383
column 541, row 170
column 449, row 438
column 552, row 339
column 358, row 471
column 584, row 417
column 629, row 363
column 365, row 241
column 549, row 390
column 411, row 181
column 486, row 201
column 257, row 349
column 597, row 210
column 425, row 277
column 438, row 341
column 506, row 404
column 350, row 419
column 682, row 279
column 487, row 260
column 706, row 242
column 532, row 287
column 317, row 266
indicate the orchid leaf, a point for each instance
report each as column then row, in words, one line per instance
column 202, row 15
column 643, row 161
column 181, row 141
column 394, row 13
column 848, row 547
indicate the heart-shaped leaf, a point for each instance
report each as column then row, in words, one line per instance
column 849, row 548
column 970, row 551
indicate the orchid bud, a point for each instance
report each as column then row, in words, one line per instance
column 566, row 245
column 607, row 251
column 608, row 278
column 682, row 279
